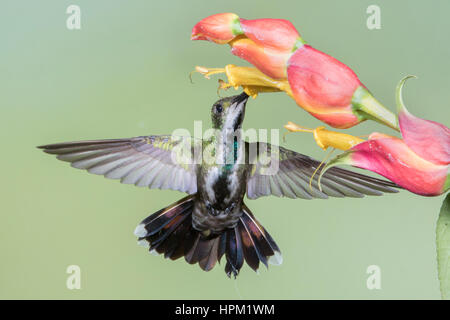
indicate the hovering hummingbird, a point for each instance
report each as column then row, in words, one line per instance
column 213, row 220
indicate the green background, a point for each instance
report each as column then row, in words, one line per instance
column 125, row 73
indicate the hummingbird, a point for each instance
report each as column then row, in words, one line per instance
column 213, row 221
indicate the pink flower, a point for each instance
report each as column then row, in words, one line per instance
column 217, row 28
column 320, row 84
column 323, row 86
column 419, row 162
column 270, row 61
column 275, row 34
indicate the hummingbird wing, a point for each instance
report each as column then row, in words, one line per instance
column 285, row 173
column 163, row 162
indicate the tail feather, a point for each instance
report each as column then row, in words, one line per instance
column 190, row 240
column 170, row 232
column 210, row 259
column 264, row 243
column 234, row 253
column 222, row 246
column 158, row 239
column 190, row 256
column 200, row 250
column 251, row 253
column 175, row 242
column 155, row 222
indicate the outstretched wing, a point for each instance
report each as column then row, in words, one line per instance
column 162, row 162
column 284, row 173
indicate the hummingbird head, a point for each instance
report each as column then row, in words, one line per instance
column 228, row 113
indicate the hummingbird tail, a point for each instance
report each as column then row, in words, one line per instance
column 169, row 231
column 258, row 245
column 248, row 241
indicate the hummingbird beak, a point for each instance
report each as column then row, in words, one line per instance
column 235, row 114
column 239, row 102
column 243, row 97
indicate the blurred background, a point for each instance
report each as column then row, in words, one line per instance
column 124, row 74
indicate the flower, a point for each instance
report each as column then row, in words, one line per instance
column 270, row 62
column 419, row 162
column 323, row 86
column 217, row 28
column 326, row 138
column 429, row 139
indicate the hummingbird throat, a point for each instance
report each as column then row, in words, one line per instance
column 234, row 154
column 227, row 153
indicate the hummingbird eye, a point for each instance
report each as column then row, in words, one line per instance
column 219, row 108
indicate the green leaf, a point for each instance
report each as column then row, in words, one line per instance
column 443, row 248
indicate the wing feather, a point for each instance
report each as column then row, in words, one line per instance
column 147, row 161
column 292, row 179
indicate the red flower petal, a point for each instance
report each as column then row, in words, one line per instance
column 341, row 120
column 321, row 84
column 429, row 139
column 218, row 28
column 393, row 159
column 270, row 62
column 276, row 34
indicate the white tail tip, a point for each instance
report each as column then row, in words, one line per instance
column 276, row 259
column 140, row 230
column 143, row 243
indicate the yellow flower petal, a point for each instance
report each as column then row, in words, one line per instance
column 326, row 138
